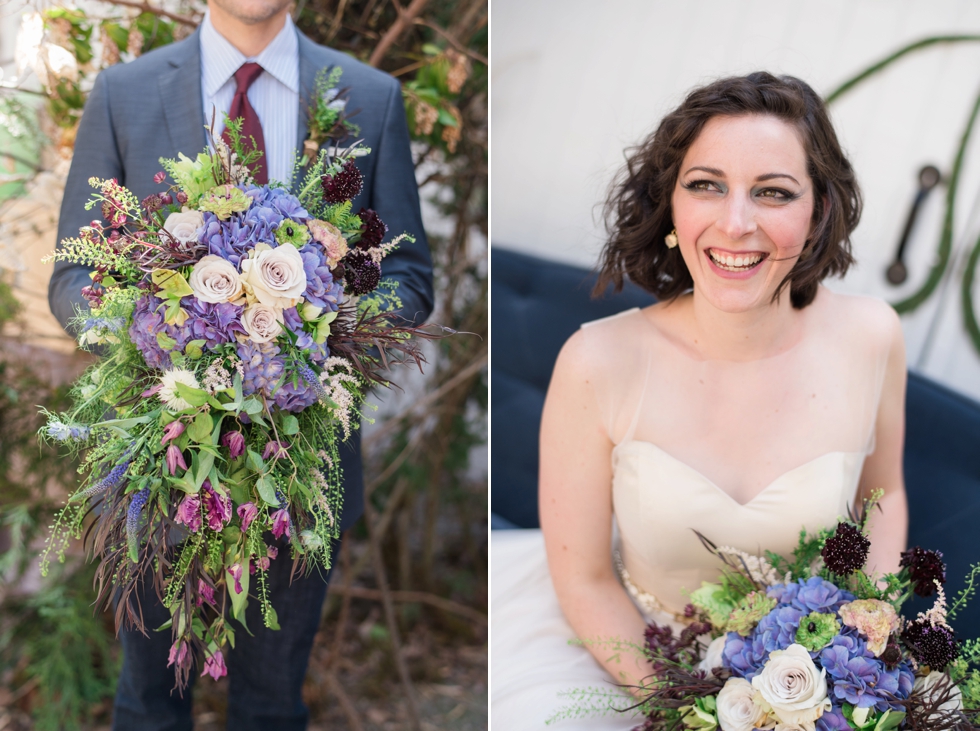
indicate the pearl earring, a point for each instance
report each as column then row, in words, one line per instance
column 671, row 239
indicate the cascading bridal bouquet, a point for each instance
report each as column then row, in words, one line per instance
column 809, row 644
column 240, row 328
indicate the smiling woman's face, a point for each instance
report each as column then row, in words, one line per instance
column 742, row 207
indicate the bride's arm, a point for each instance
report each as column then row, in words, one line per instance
column 575, row 495
column 883, row 467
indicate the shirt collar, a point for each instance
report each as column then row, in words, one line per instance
column 220, row 59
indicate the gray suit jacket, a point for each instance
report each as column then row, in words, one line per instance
column 151, row 108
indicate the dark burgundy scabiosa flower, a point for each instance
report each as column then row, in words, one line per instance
column 931, row 644
column 344, row 185
column 373, row 229
column 925, row 569
column 846, row 551
column 362, row 273
column 152, row 203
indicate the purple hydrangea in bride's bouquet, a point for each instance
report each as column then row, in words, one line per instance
column 240, row 328
column 808, row 643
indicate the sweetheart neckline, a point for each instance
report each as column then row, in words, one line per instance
column 712, row 483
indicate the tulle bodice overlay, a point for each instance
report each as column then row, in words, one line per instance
column 747, row 453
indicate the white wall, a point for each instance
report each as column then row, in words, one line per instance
column 574, row 83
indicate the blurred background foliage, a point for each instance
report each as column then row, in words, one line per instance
column 403, row 638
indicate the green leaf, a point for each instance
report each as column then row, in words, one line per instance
column 193, row 396
column 166, row 342
column 290, row 425
column 255, row 462
column 272, row 619
column 195, row 349
column 267, row 491
column 231, row 534
column 200, row 429
column 171, row 282
column 166, row 625
column 252, row 406
column 446, row 119
column 202, row 466
column 890, row 720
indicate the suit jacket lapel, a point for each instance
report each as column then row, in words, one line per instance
column 307, row 83
column 180, row 90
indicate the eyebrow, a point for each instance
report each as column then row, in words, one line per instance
column 761, row 178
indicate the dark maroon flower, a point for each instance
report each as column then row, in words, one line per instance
column 152, row 203
column 361, row 273
column 166, row 199
column 846, row 551
column 373, row 229
column 343, row 186
column 181, row 197
column 932, row 645
column 892, row 654
column 925, row 569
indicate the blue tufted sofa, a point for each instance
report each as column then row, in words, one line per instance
column 537, row 304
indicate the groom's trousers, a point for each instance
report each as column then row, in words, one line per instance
column 265, row 671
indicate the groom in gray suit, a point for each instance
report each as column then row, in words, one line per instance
column 157, row 106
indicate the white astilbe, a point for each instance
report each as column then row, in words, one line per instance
column 327, row 460
column 759, row 569
column 937, row 615
column 379, row 252
column 216, row 378
column 334, row 388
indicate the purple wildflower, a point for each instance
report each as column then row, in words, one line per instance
column 214, row 665
column 247, row 513
column 179, row 655
column 67, row 432
column 263, row 366
column 280, row 523
column 189, row 513
column 217, row 507
column 175, row 459
column 235, row 442
column 205, row 593
column 272, row 552
column 133, row 516
column 171, row 431
column 111, row 480
column 236, row 574
column 322, row 289
column 274, row 449
column 216, row 324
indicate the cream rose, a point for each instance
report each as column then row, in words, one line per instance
column 215, row 280
column 274, row 277
column 737, row 711
column 261, row 322
column 184, row 226
column 712, row 656
column 332, row 240
column 792, row 686
column 927, row 686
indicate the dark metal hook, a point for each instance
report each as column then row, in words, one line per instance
column 929, row 178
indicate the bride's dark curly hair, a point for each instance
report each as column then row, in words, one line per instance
column 638, row 211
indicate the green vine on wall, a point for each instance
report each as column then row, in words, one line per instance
column 944, row 248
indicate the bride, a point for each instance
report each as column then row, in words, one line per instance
column 748, row 403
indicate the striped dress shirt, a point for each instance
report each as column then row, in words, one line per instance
column 274, row 95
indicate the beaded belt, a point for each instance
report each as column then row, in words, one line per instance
column 646, row 601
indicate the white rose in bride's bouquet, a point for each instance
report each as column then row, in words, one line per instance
column 274, row 277
column 793, row 688
column 712, row 656
column 737, row 709
column 215, row 280
column 183, row 226
column 262, row 323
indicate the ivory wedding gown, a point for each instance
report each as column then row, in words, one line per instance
column 788, row 434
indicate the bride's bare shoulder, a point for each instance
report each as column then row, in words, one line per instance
column 599, row 345
column 863, row 317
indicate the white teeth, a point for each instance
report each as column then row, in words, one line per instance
column 734, row 263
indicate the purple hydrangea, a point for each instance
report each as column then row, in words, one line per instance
column 812, row 595
column 213, row 323
column 263, row 366
column 777, row 630
column 232, row 239
column 744, row 656
column 833, row 720
column 321, row 288
column 295, row 394
column 861, row 679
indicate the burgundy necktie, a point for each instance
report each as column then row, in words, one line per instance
column 251, row 126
